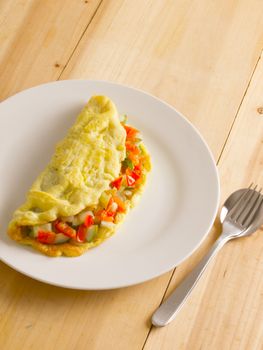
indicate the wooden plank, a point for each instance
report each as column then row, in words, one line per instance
column 197, row 55
column 225, row 309
column 37, row 39
column 32, row 313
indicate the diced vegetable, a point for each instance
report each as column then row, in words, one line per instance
column 31, row 233
column 109, row 204
column 130, row 180
column 86, row 234
column 106, row 216
column 127, row 163
column 46, row 227
column 135, row 175
column 91, row 233
column 73, row 220
column 76, row 221
column 82, row 216
column 61, row 238
column 138, row 168
column 117, row 183
column 113, row 207
column 104, row 199
column 120, row 195
column 121, row 204
column 88, row 220
column 128, row 193
column 131, row 177
column 64, row 228
column 46, row 237
column 81, row 233
column 131, row 132
column 134, row 158
column 131, row 147
column 35, row 229
column 107, row 224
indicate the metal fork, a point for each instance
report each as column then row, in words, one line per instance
column 241, row 220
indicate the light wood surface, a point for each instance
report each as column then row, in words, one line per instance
column 225, row 309
column 37, row 39
column 203, row 57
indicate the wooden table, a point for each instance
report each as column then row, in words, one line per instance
column 204, row 58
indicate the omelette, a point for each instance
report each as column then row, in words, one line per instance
column 97, row 173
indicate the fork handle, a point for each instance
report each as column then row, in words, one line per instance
column 169, row 309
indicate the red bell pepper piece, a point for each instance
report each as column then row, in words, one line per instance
column 88, row 221
column 47, row 237
column 65, row 229
column 138, row 168
column 131, row 132
column 109, row 208
column 109, row 204
column 117, row 183
column 106, row 216
column 130, row 180
column 121, row 205
column 135, row 175
column 81, row 233
column 131, row 147
column 131, row 177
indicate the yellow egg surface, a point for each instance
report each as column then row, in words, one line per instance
column 85, row 164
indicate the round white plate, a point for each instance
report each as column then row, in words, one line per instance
column 176, row 211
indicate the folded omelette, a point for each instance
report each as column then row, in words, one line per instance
column 97, row 173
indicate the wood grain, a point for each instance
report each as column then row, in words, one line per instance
column 225, row 309
column 33, row 314
column 197, row 55
column 37, row 39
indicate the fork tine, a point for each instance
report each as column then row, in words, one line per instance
column 237, row 208
column 254, row 210
column 243, row 215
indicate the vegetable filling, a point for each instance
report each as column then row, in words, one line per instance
column 85, row 226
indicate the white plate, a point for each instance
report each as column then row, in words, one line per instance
column 176, row 211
